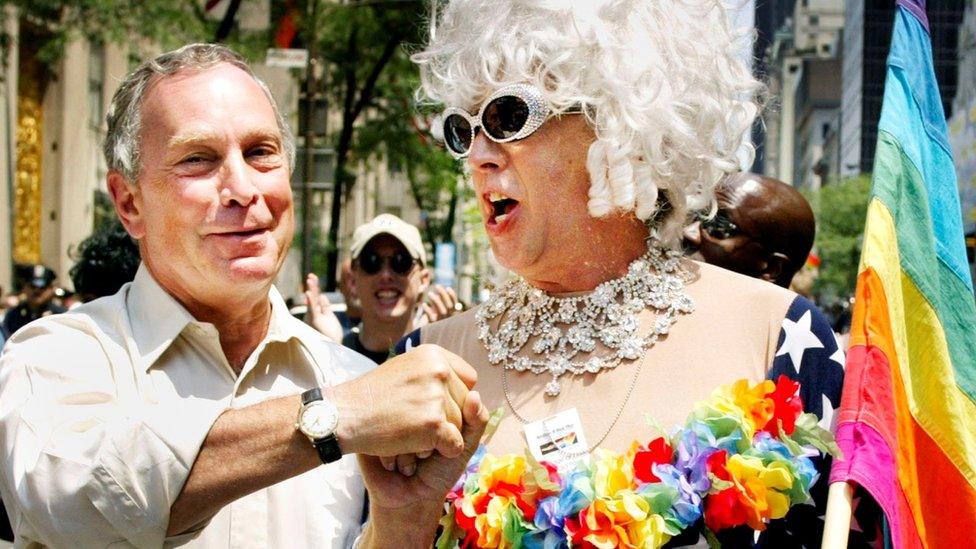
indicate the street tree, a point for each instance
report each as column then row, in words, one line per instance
column 52, row 24
column 370, row 81
column 840, row 209
column 401, row 131
column 46, row 27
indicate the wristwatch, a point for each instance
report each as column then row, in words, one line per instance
column 318, row 419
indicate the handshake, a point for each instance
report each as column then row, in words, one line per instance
column 414, row 421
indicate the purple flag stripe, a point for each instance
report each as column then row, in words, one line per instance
column 917, row 8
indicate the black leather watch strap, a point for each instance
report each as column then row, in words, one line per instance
column 328, row 448
column 311, row 395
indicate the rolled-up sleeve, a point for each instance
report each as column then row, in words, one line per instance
column 85, row 464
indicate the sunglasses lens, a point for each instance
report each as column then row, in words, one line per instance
column 457, row 133
column 401, row 263
column 370, row 263
column 505, row 116
column 719, row 227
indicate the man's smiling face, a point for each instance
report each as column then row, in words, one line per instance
column 213, row 194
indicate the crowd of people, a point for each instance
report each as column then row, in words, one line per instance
column 601, row 149
column 104, row 261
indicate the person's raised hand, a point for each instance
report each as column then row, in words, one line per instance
column 318, row 310
column 441, row 303
column 411, row 404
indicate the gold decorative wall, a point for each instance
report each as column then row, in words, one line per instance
column 27, row 182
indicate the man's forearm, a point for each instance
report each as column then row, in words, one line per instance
column 398, row 528
column 255, row 447
column 246, row 450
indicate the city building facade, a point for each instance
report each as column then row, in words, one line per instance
column 962, row 128
column 867, row 38
column 803, row 74
column 52, row 127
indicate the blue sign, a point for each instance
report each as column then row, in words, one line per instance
column 444, row 260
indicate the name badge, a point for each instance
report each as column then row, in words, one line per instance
column 558, row 439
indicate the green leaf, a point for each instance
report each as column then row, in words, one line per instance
column 539, row 474
column 494, row 420
column 809, row 433
column 712, row 541
column 659, row 497
column 450, row 533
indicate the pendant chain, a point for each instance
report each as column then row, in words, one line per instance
column 616, row 417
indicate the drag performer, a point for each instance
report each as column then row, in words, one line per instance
column 590, row 130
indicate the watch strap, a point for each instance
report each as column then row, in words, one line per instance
column 311, row 395
column 328, row 448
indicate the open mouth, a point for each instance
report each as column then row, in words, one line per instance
column 500, row 207
column 387, row 296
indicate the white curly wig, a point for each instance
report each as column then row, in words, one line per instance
column 659, row 80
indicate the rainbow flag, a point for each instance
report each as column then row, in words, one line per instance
column 907, row 422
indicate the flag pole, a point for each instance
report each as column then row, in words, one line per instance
column 837, row 523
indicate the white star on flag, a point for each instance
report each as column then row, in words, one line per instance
column 838, row 357
column 798, row 339
column 827, row 414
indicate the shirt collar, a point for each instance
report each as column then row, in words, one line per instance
column 280, row 317
column 157, row 318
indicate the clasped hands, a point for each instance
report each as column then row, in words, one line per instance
column 414, row 421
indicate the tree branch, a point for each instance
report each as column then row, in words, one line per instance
column 369, row 86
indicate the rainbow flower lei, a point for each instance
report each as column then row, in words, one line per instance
column 742, row 458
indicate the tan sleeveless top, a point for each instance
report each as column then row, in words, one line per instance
column 731, row 334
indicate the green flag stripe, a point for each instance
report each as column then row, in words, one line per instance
column 899, row 185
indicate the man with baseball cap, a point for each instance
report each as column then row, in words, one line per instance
column 39, row 289
column 390, row 276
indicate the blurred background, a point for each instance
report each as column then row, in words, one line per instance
column 341, row 73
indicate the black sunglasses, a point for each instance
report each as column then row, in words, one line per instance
column 719, row 226
column 372, row 262
column 511, row 113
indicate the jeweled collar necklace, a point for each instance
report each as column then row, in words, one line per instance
column 562, row 328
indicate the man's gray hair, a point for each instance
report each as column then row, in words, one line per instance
column 125, row 113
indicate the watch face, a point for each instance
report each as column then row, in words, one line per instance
column 318, row 420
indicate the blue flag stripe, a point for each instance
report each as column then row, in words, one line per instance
column 913, row 114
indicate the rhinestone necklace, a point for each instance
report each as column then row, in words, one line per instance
column 561, row 328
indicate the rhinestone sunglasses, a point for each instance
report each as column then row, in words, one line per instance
column 719, row 226
column 511, row 113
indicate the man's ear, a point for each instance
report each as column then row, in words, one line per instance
column 351, row 282
column 775, row 266
column 127, row 199
column 424, row 280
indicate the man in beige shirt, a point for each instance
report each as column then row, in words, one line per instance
column 166, row 414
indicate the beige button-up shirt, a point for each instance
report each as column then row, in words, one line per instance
column 103, row 410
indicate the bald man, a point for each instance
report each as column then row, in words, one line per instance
column 763, row 228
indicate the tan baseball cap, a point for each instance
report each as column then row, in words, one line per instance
column 407, row 234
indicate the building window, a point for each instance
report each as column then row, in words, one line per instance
column 814, row 20
column 96, row 84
